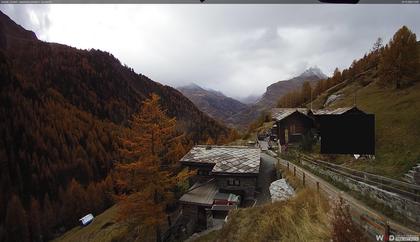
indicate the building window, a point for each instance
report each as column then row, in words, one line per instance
column 292, row 129
column 203, row 173
column 233, row 182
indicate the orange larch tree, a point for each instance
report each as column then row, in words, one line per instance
column 400, row 60
column 147, row 178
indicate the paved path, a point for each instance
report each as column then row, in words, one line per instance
column 265, row 177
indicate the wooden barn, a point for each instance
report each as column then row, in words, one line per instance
column 291, row 124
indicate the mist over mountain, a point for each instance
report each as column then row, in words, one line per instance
column 313, row 71
column 251, row 99
column 214, row 103
column 272, row 95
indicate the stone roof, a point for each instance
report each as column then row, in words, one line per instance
column 336, row 111
column 226, row 159
column 281, row 113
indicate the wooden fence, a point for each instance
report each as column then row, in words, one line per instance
column 371, row 221
column 405, row 189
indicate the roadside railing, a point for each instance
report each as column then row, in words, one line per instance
column 405, row 189
column 374, row 223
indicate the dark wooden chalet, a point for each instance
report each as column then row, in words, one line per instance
column 291, row 124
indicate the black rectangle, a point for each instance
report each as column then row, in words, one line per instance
column 347, row 134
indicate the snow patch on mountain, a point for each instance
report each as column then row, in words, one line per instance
column 313, row 71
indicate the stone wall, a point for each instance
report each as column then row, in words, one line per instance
column 405, row 207
column 191, row 212
column 247, row 185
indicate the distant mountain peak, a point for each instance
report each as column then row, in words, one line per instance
column 313, row 71
column 192, row 86
column 278, row 89
column 195, row 87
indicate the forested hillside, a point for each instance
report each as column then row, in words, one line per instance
column 62, row 113
column 281, row 88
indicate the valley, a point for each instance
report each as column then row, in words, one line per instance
column 239, row 115
column 83, row 134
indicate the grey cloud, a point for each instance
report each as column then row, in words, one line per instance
column 241, row 49
column 32, row 17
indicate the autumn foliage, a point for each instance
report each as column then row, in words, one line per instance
column 399, row 65
column 343, row 227
column 395, row 65
column 61, row 112
column 151, row 171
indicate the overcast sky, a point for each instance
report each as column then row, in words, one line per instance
column 236, row 49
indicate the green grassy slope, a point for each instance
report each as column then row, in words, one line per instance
column 397, row 114
column 103, row 228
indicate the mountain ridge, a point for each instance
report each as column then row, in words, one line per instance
column 272, row 95
column 212, row 102
column 313, row 71
column 278, row 89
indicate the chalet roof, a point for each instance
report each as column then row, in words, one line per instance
column 200, row 194
column 281, row 113
column 226, row 159
column 336, row 111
